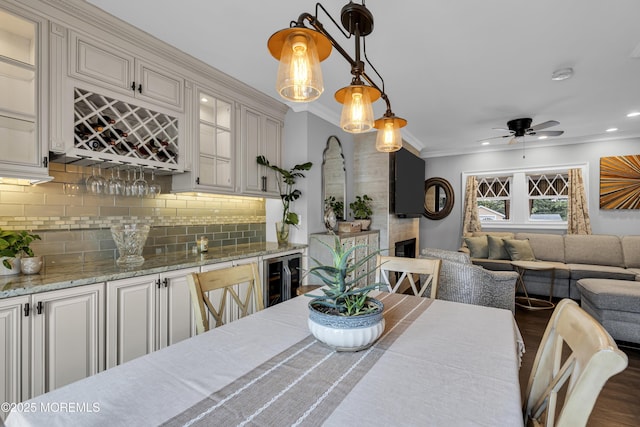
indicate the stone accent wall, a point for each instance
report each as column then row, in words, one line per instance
column 371, row 177
column 74, row 225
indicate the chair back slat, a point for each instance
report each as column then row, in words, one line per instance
column 592, row 358
column 428, row 269
column 234, row 288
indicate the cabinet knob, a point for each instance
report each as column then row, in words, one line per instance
column 133, row 86
column 140, row 88
column 40, row 307
column 165, row 282
column 26, row 310
column 264, row 183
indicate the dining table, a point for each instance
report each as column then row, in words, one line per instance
column 437, row 363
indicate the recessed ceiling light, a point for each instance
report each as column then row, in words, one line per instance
column 485, row 143
column 612, row 129
column 203, row 99
column 543, row 137
column 634, row 114
column 562, row 74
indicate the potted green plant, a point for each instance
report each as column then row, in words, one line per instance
column 361, row 208
column 345, row 305
column 286, row 180
column 13, row 245
column 336, row 205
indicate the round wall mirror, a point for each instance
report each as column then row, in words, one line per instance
column 438, row 198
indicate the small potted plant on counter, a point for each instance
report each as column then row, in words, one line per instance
column 13, row 246
column 345, row 305
column 286, row 180
column 362, row 211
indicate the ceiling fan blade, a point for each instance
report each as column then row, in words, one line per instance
column 549, row 133
column 494, row 137
column 544, row 125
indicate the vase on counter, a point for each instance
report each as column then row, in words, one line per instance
column 13, row 262
column 31, row 265
column 282, row 233
column 130, row 241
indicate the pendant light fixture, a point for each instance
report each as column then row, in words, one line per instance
column 300, row 50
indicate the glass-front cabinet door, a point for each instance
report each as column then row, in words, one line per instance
column 20, row 137
column 216, row 166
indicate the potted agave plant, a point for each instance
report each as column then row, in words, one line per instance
column 13, row 245
column 345, row 317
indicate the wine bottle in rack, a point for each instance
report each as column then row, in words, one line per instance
column 108, row 137
column 108, row 120
column 96, row 127
column 121, row 133
column 95, row 145
column 157, row 143
column 166, row 155
column 82, row 132
column 144, row 151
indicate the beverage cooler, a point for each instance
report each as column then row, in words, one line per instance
column 282, row 277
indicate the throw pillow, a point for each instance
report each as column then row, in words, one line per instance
column 519, row 250
column 496, row 248
column 478, row 246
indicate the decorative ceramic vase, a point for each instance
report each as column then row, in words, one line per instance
column 130, row 242
column 15, row 266
column 364, row 223
column 330, row 219
column 347, row 333
column 282, row 233
column 31, row 265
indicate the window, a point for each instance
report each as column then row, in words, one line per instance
column 533, row 198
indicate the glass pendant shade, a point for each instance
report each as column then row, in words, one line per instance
column 299, row 74
column 357, row 111
column 389, row 138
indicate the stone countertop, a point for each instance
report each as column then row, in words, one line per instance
column 70, row 275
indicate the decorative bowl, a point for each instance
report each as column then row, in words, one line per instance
column 130, row 241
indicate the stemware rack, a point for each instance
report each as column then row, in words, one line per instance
column 113, row 131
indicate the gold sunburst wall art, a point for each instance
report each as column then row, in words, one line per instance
column 620, row 182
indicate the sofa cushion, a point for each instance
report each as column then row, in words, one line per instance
column 546, row 247
column 631, row 251
column 493, row 264
column 519, row 250
column 581, row 271
column 478, row 246
column 496, row 248
column 593, row 249
column 611, row 294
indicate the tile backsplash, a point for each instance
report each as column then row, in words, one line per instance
column 75, row 225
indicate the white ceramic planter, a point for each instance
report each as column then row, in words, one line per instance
column 347, row 333
column 15, row 262
column 31, row 265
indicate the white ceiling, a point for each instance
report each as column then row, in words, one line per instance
column 454, row 69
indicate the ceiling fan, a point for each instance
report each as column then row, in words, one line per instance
column 522, row 127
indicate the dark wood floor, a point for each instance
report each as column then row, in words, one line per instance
column 619, row 401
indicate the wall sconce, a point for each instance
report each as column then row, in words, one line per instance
column 300, row 50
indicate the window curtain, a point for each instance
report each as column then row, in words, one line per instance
column 471, row 219
column 578, row 212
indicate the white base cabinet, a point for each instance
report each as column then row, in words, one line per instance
column 50, row 339
column 146, row 313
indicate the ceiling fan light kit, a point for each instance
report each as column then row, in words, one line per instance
column 562, row 74
column 300, row 50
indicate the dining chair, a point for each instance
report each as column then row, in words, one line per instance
column 428, row 269
column 589, row 359
column 236, row 292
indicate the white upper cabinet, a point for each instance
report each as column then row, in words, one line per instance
column 214, row 147
column 99, row 63
column 261, row 135
column 24, row 155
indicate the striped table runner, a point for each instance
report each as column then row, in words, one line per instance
column 303, row 384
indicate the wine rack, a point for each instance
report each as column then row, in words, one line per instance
column 116, row 131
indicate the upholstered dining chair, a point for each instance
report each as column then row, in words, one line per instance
column 428, row 269
column 226, row 294
column 593, row 358
column 462, row 281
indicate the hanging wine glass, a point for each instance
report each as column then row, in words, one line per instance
column 128, row 185
column 154, row 187
column 140, row 185
column 116, row 185
column 96, row 184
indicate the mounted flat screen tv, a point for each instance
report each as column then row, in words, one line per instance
column 406, row 184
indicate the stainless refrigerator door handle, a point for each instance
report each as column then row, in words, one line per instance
column 287, row 281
